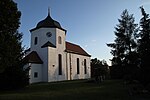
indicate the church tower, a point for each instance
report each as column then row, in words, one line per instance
column 48, row 40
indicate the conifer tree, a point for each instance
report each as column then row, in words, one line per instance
column 12, row 74
column 124, row 46
column 125, row 42
column 144, row 46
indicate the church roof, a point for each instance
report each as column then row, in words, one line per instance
column 48, row 22
column 73, row 48
column 33, row 57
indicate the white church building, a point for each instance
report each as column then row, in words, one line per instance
column 51, row 58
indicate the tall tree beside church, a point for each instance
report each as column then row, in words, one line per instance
column 12, row 74
column 124, row 44
column 144, row 46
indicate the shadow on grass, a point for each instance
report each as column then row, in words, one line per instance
column 73, row 90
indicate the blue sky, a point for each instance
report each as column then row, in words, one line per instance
column 89, row 23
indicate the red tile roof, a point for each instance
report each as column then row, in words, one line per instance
column 33, row 57
column 73, row 48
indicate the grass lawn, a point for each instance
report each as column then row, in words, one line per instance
column 73, row 90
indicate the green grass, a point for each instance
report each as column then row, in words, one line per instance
column 73, row 90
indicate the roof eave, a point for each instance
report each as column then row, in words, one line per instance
column 47, row 27
column 68, row 51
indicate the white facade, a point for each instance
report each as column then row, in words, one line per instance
column 55, row 60
column 72, row 67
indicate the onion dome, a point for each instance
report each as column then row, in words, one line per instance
column 48, row 22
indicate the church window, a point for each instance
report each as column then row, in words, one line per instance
column 78, row 65
column 85, row 68
column 60, row 64
column 35, row 74
column 35, row 40
column 59, row 40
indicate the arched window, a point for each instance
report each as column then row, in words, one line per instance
column 78, row 66
column 85, row 68
column 35, row 40
column 59, row 64
column 59, row 40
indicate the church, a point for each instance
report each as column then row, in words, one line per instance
column 51, row 58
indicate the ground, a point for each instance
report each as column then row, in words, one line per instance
column 74, row 90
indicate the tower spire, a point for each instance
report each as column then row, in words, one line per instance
column 48, row 11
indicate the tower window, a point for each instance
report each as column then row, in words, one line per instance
column 78, row 65
column 35, row 40
column 60, row 64
column 85, row 68
column 59, row 40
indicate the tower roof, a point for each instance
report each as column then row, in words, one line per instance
column 48, row 22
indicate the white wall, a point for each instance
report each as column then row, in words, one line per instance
column 35, row 68
column 53, row 58
column 43, row 52
column 61, row 50
column 60, row 47
column 52, row 65
column 42, row 37
column 72, row 66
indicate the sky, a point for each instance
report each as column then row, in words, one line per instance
column 89, row 23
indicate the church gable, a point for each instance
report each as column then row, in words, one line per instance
column 48, row 44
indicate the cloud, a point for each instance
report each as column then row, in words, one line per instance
column 93, row 40
column 91, row 43
column 146, row 3
column 86, row 46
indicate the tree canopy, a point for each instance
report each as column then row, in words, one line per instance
column 12, row 74
column 99, row 68
column 125, row 43
column 144, row 47
column 131, row 48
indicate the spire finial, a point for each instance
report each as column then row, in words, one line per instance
column 48, row 11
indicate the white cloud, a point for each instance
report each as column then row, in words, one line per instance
column 86, row 46
column 146, row 3
column 93, row 40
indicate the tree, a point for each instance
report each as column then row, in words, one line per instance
column 12, row 74
column 124, row 46
column 144, row 47
column 99, row 69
